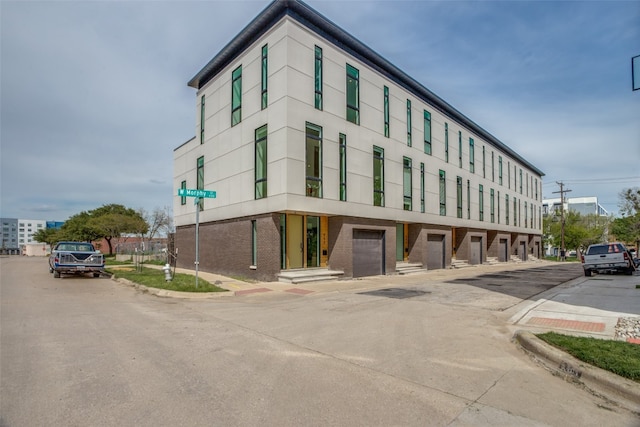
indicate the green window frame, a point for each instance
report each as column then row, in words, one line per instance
column 480, row 202
column 200, row 180
column 343, row 166
column 520, row 181
column 183, row 199
column 443, row 192
column 202, row 119
column 407, row 184
column 509, row 175
column 484, row 163
column 313, row 160
column 422, row 201
column 459, row 148
column 526, row 216
column 472, row 155
column 492, row 205
column 318, row 77
column 515, row 212
column 427, row 132
column 493, row 167
column 468, row 199
column 254, row 243
column 536, row 187
column 446, row 142
column 506, row 209
column 386, row 111
column 498, row 205
column 378, row 176
column 260, row 170
column 500, row 170
column 409, row 123
column 236, row 96
column 265, row 75
column 459, row 196
column 353, row 95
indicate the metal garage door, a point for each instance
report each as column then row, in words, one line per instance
column 503, row 247
column 475, row 250
column 523, row 251
column 368, row 252
column 435, row 251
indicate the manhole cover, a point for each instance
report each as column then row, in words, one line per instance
column 397, row 293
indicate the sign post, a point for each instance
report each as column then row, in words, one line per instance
column 197, row 194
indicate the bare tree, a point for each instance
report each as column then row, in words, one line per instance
column 160, row 223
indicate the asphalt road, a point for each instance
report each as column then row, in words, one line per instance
column 80, row 351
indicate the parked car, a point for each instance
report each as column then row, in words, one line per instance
column 607, row 257
column 74, row 258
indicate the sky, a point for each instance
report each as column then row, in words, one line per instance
column 94, row 95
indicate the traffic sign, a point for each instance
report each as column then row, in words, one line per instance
column 189, row 192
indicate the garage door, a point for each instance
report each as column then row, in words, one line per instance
column 475, row 251
column 523, row 251
column 503, row 255
column 435, row 251
column 368, row 252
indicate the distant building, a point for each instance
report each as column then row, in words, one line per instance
column 581, row 205
column 323, row 154
column 16, row 233
column 9, row 237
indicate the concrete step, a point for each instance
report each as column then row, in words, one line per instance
column 308, row 275
column 459, row 263
column 409, row 267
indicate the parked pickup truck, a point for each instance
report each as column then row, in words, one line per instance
column 74, row 258
column 607, row 257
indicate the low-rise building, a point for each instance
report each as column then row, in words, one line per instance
column 325, row 155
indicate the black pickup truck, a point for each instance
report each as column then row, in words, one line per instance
column 75, row 258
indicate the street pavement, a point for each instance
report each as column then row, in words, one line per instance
column 426, row 349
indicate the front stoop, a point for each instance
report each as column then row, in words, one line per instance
column 459, row 263
column 307, row 275
column 403, row 268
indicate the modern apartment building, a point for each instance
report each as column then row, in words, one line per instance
column 581, row 205
column 325, row 155
column 18, row 232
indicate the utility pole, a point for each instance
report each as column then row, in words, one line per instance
column 562, row 191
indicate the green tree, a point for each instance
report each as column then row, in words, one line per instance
column 47, row 235
column 580, row 231
column 627, row 228
column 79, row 227
column 114, row 220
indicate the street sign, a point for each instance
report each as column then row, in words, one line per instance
column 189, row 192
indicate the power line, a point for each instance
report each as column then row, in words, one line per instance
column 562, row 191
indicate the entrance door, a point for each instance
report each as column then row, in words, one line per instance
column 475, row 253
column 295, row 244
column 399, row 242
column 523, row 251
column 313, row 241
column 503, row 250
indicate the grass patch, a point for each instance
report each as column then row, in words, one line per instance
column 620, row 357
column 154, row 278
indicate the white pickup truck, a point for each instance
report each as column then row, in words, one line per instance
column 607, row 257
column 74, row 258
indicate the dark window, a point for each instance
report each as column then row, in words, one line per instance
column 353, row 95
column 343, row 167
column 422, row 204
column 427, row 132
column 202, row 119
column 236, row 96
column 481, row 202
column 313, row 160
column 409, row 122
column 183, row 199
column 386, row 112
column 200, row 179
column 265, row 74
column 318, row 78
column 459, row 196
column 407, row 184
column 261, row 162
column 378, row 176
column 443, row 193
column 446, row 142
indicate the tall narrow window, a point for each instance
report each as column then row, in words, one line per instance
column 468, row 199
column 493, row 168
column 386, row 112
column 353, row 95
column 484, row 163
column 536, row 187
column 472, row 163
column 498, row 206
column 378, row 176
column 520, row 181
column 265, row 74
column 318, row 77
column 500, row 170
column 406, row 184
column 509, row 175
column 236, row 96
column 202, row 119
column 526, row 216
column 526, row 181
column 261, row 162
column 409, row 122
column 200, row 180
column 427, row 132
column 313, row 160
column 460, row 149
column 481, row 203
column 343, row 167
column 506, row 209
column 492, row 205
column 515, row 212
column 443, row 193
column 183, row 199
column 446, row 142
column 254, row 243
column 459, row 196
column 532, row 214
column 422, row 204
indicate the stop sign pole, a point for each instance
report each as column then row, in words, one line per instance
column 197, row 194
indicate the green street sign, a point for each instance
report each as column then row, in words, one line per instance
column 189, row 192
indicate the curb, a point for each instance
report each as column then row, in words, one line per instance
column 164, row 293
column 621, row 390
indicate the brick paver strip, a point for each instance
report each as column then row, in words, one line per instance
column 567, row 324
column 633, row 340
column 252, row 291
column 299, row 291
